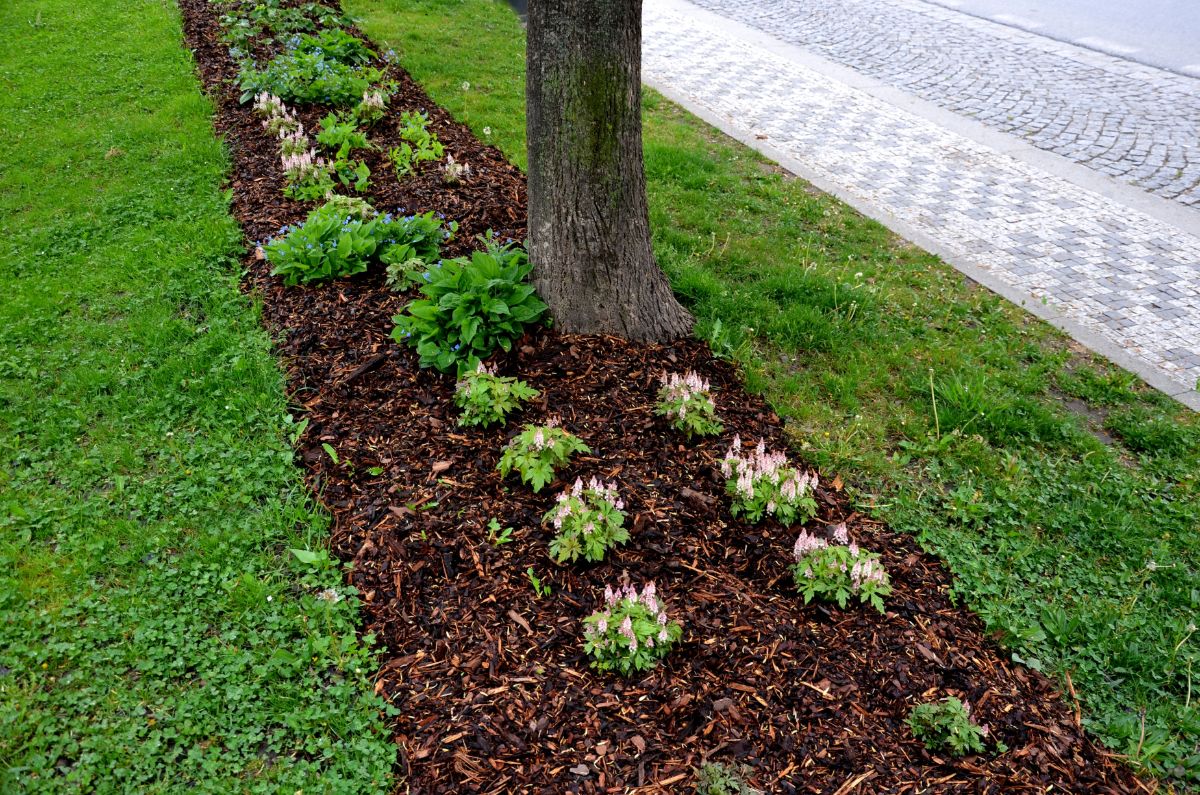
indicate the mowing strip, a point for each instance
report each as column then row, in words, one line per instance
column 493, row 690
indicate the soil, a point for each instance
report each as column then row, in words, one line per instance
column 492, row 688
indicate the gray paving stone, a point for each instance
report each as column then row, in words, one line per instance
column 1125, row 276
column 1127, row 120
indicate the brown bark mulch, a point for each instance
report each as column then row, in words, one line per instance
column 493, row 690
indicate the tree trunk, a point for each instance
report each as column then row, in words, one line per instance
column 589, row 229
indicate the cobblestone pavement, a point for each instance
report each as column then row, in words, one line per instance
column 1130, row 121
column 1121, row 274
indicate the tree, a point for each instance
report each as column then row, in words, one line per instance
column 589, row 228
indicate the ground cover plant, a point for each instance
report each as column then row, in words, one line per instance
column 450, row 557
column 1063, row 494
column 156, row 633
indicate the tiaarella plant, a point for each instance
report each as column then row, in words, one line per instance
column 839, row 571
column 308, row 177
column 687, row 402
column 537, row 451
column 631, row 633
column 947, row 725
column 762, row 484
column 294, row 142
column 588, row 520
column 486, row 398
column 371, row 108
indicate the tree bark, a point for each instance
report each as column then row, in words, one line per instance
column 589, row 228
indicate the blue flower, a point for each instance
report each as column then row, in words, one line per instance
column 427, row 275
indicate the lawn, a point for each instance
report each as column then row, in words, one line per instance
column 156, row 634
column 1062, row 493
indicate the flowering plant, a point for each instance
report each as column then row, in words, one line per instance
column 454, row 173
column 948, row 724
column 282, row 123
column 839, row 571
column 632, row 632
column 308, row 176
column 485, row 397
column 762, row 484
column 307, row 75
column 685, row 400
column 267, row 104
column 371, row 108
column 537, row 451
column 588, row 520
column 293, row 142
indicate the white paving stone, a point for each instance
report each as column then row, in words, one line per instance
column 1123, row 275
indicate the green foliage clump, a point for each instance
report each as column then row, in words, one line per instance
column 631, row 633
column 839, row 571
column 714, row 778
column 247, row 20
column 418, row 143
column 335, row 44
column 537, row 451
column 336, row 240
column 342, row 137
column 471, row 308
column 588, row 521
column 947, row 725
column 486, row 398
column 329, row 69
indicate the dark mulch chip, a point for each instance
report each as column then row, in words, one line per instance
column 493, row 690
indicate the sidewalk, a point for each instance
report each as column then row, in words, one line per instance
column 1116, row 268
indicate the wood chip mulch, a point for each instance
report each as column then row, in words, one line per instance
column 493, row 691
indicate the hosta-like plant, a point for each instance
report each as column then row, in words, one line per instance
column 588, row 522
column 486, row 398
column 471, row 308
column 340, row 239
column 762, row 484
column 686, row 401
column 537, row 451
column 837, row 572
column 631, row 632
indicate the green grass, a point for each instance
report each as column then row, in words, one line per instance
column 1062, row 493
column 156, row 634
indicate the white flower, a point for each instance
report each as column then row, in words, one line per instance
column 466, row 86
column 487, row 130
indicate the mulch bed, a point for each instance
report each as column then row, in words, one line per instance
column 493, row 690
